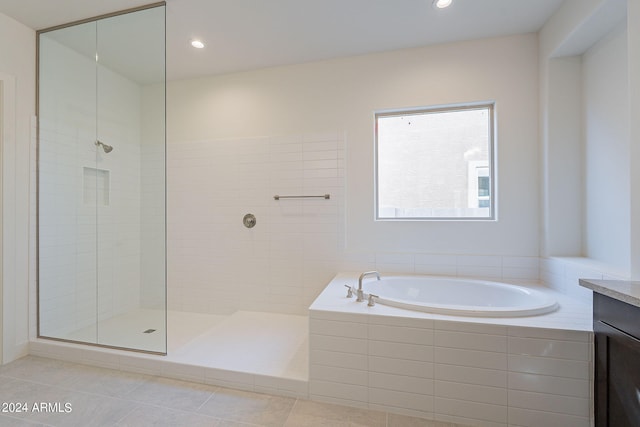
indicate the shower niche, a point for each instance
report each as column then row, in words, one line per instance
column 95, row 186
column 101, row 181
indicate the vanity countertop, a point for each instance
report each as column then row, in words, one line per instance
column 622, row 290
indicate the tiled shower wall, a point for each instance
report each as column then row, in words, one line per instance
column 216, row 264
column 75, row 236
column 153, row 196
column 89, row 201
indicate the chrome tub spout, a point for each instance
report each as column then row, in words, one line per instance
column 360, row 293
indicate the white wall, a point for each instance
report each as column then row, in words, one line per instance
column 562, row 200
column 587, row 144
column 633, row 60
column 341, row 96
column 606, row 151
column 17, row 72
column 575, row 27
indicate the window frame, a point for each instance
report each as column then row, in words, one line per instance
column 492, row 162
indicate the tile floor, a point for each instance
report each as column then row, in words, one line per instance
column 79, row 395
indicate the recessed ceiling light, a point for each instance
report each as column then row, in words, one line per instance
column 441, row 4
column 197, row 44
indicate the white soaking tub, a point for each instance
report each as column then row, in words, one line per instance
column 459, row 296
column 473, row 365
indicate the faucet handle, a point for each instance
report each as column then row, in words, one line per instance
column 349, row 291
column 372, row 302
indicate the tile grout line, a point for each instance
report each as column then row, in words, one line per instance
column 197, row 410
column 183, row 411
column 290, row 412
column 138, row 405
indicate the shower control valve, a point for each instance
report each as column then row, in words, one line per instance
column 249, row 220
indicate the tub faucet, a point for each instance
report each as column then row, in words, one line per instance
column 360, row 293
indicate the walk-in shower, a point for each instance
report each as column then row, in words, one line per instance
column 101, row 210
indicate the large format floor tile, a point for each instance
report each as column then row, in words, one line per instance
column 35, row 391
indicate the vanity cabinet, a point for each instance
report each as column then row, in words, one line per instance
column 617, row 362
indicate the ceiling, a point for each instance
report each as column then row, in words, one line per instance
column 248, row 34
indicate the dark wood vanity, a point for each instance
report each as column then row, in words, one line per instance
column 616, row 324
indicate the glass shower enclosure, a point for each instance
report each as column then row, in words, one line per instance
column 101, row 181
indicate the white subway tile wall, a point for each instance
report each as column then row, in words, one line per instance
column 512, row 269
column 216, row 265
column 89, row 201
column 153, row 223
column 563, row 274
column 468, row 373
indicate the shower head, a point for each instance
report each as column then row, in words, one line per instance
column 107, row 148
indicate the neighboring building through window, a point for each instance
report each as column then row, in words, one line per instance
column 435, row 163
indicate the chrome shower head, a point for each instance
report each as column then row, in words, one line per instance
column 107, row 148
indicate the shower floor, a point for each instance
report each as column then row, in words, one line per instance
column 245, row 341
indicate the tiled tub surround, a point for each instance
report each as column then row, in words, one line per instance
column 523, row 371
column 563, row 273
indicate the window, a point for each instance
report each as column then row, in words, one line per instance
column 435, row 163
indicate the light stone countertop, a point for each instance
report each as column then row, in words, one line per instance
column 622, row 290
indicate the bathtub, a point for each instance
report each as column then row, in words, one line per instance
column 488, row 370
column 459, row 296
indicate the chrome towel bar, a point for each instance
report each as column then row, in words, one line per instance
column 324, row 196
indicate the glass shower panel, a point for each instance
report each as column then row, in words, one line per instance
column 67, row 184
column 101, row 182
column 131, row 222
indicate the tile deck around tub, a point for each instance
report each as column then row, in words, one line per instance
column 488, row 372
column 58, row 393
column 572, row 315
